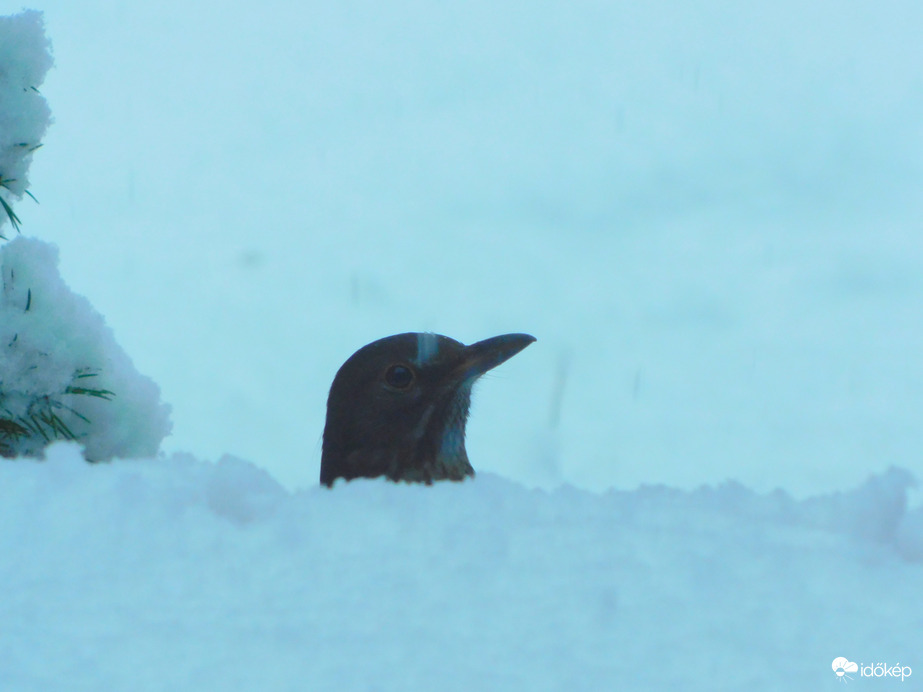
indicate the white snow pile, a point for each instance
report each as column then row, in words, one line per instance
column 183, row 575
column 25, row 57
column 62, row 374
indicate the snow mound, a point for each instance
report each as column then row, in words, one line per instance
column 185, row 575
column 59, row 362
column 25, row 57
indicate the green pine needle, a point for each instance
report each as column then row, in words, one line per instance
column 43, row 418
column 11, row 430
column 86, row 391
column 14, row 220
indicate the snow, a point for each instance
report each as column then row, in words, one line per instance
column 179, row 574
column 702, row 474
column 52, row 341
column 62, row 374
column 24, row 114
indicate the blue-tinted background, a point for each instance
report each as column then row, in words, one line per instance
column 708, row 213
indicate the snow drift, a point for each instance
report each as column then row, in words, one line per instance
column 185, row 575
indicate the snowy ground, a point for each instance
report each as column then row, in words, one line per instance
column 182, row 575
column 710, row 218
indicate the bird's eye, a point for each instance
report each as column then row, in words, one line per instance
column 399, row 376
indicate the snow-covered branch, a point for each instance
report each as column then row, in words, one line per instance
column 25, row 57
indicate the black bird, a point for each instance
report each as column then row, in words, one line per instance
column 398, row 407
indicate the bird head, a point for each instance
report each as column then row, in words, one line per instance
column 398, row 407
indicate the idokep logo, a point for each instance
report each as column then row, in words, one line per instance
column 845, row 670
column 842, row 667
